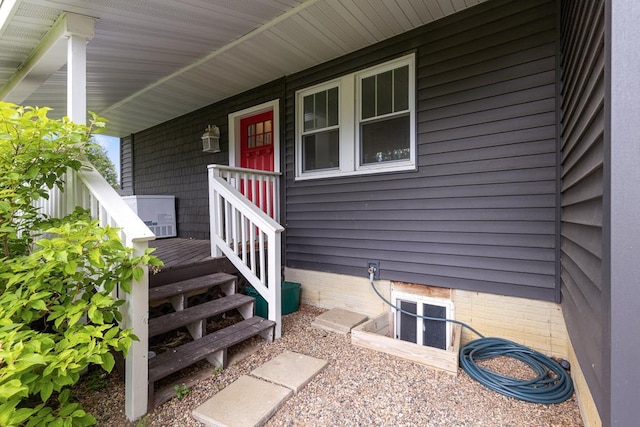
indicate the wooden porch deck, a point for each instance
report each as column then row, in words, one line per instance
column 178, row 252
column 184, row 259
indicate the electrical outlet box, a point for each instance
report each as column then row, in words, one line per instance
column 376, row 269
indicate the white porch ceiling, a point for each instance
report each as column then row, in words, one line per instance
column 152, row 60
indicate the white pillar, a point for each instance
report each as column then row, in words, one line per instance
column 77, row 78
column 76, row 96
column 136, row 317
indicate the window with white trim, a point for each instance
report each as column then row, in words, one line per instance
column 416, row 329
column 360, row 123
column 320, row 130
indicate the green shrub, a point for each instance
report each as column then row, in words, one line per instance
column 57, row 313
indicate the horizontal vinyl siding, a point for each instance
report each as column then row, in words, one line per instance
column 480, row 211
column 582, row 187
column 169, row 157
column 126, row 165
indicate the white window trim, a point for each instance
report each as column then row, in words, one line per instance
column 343, row 154
column 389, row 165
column 396, row 297
column 348, row 120
column 234, row 131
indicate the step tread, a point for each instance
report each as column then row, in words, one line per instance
column 171, row 321
column 190, row 285
column 187, row 354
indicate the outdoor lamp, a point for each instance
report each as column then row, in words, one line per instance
column 211, row 139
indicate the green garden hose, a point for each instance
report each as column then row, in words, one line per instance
column 552, row 383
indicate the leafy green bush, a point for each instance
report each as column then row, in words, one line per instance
column 57, row 313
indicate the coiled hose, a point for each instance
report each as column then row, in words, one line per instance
column 552, row 383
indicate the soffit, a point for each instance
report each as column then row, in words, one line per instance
column 153, row 60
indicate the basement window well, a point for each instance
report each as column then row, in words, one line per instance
column 411, row 327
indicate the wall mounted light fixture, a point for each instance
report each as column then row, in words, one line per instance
column 211, row 139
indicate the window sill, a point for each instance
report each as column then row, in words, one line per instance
column 363, row 170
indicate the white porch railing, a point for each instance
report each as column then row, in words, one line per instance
column 89, row 190
column 262, row 187
column 244, row 209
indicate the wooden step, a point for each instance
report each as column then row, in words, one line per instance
column 223, row 280
column 171, row 321
column 215, row 344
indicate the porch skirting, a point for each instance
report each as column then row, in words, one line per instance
column 536, row 324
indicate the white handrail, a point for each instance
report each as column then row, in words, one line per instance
column 240, row 230
column 89, row 190
column 262, row 187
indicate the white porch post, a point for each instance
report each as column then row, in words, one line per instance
column 136, row 316
column 135, row 309
column 76, row 92
column 77, row 78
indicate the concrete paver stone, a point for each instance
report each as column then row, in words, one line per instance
column 247, row 402
column 290, row 369
column 338, row 320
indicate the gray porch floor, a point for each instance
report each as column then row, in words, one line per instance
column 179, row 252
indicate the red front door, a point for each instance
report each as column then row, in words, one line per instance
column 256, row 152
column 256, row 149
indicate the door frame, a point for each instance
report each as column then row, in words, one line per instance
column 234, row 131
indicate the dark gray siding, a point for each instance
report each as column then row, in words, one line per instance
column 126, row 166
column 582, row 186
column 169, row 159
column 480, row 213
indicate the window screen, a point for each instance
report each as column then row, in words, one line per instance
column 384, row 118
column 320, row 137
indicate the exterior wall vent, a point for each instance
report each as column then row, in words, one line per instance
column 432, row 333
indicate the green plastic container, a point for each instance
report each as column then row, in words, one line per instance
column 290, row 299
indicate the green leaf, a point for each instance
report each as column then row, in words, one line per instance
column 111, row 333
column 68, row 409
column 108, row 361
column 63, row 396
column 108, row 317
column 33, row 358
column 86, row 420
column 39, row 305
column 70, row 267
column 62, row 256
column 96, row 257
column 46, row 390
column 95, row 315
column 138, row 272
column 22, row 414
column 58, row 422
column 13, row 388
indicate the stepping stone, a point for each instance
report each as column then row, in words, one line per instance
column 338, row 320
column 247, row 402
column 289, row 369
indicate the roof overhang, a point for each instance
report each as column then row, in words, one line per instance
column 47, row 58
column 149, row 61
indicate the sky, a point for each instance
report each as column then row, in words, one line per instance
column 112, row 145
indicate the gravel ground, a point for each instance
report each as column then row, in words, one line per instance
column 359, row 387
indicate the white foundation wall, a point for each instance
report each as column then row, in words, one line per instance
column 327, row 290
column 536, row 324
